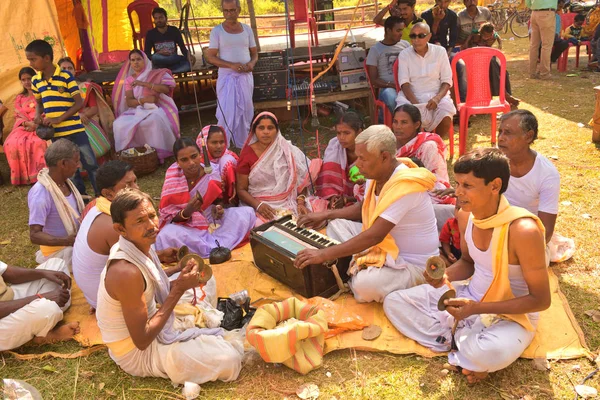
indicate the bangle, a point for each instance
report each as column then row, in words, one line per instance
column 301, row 197
column 258, row 206
column 139, row 102
column 152, row 87
column 40, row 296
column 182, row 216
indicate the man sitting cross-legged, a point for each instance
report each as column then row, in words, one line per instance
column 503, row 255
column 55, row 204
column 398, row 231
column 97, row 235
column 32, row 302
column 425, row 76
column 140, row 336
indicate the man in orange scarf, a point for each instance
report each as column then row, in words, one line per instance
column 392, row 232
column 503, row 255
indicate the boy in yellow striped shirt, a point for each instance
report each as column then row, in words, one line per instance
column 58, row 103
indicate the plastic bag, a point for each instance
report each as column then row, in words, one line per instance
column 19, row 390
column 561, row 248
column 339, row 319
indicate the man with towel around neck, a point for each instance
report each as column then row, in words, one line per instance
column 398, row 232
column 55, row 204
column 503, row 254
column 140, row 336
column 97, row 235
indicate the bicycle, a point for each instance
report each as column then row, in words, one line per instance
column 505, row 16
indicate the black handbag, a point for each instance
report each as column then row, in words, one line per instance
column 45, row 132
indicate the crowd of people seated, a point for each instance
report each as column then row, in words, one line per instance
column 383, row 192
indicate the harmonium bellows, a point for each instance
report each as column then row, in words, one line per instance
column 274, row 247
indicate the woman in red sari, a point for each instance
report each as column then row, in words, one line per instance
column 273, row 175
column 215, row 139
column 24, row 150
column 427, row 147
column 333, row 183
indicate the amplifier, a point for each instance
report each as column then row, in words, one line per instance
column 351, row 58
column 273, row 92
column 270, row 78
column 321, row 86
column 270, row 61
column 356, row 79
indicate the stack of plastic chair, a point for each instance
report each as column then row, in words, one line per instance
column 143, row 10
column 479, row 94
column 380, row 106
column 301, row 16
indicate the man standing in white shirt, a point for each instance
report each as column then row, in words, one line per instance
column 425, row 77
column 233, row 49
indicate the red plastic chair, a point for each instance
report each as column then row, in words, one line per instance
column 379, row 105
column 479, row 95
column 143, row 9
column 567, row 20
column 302, row 17
column 450, row 132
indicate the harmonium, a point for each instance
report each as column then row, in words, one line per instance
column 274, row 247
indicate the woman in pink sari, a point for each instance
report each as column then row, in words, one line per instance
column 427, row 147
column 333, row 183
column 145, row 110
column 24, row 150
column 191, row 206
column 273, row 175
column 96, row 115
column 215, row 139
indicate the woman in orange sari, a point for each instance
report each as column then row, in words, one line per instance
column 24, row 150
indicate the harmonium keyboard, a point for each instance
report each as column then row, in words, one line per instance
column 275, row 246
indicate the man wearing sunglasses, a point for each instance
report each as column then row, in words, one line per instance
column 425, row 77
column 233, row 49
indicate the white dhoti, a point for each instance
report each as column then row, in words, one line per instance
column 235, row 108
column 430, row 118
column 202, row 359
column 36, row 318
column 66, row 254
column 373, row 283
column 480, row 349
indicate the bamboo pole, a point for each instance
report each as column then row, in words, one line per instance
column 253, row 22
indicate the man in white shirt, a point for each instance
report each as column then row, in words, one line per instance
column 233, row 49
column 391, row 233
column 425, row 77
column 381, row 58
column 534, row 181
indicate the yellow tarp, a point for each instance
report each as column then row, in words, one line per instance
column 24, row 21
column 558, row 335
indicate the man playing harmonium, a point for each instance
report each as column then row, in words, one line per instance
column 391, row 233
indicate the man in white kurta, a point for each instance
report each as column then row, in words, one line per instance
column 497, row 310
column 408, row 221
column 32, row 302
column 233, row 49
column 141, row 337
column 425, row 77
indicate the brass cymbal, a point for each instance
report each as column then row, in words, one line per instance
column 182, row 252
column 205, row 272
column 435, row 267
column 450, row 294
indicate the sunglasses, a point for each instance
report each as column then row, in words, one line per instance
column 420, row 35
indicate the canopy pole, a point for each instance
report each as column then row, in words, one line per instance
column 253, row 22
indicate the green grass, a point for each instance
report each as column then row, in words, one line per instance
column 365, row 375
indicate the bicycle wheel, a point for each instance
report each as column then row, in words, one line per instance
column 519, row 23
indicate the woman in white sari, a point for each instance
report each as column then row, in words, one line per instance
column 145, row 110
column 273, row 175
